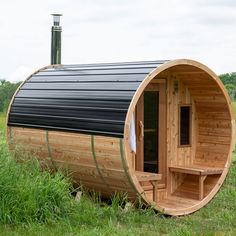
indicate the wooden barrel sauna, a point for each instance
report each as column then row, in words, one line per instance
column 162, row 131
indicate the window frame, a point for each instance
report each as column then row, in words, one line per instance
column 190, row 126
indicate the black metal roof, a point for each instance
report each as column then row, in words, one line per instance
column 86, row 98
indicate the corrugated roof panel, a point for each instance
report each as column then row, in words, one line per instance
column 88, row 86
column 87, row 98
column 87, row 78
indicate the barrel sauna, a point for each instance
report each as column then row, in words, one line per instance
column 162, row 131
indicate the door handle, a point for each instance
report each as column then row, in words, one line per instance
column 141, row 130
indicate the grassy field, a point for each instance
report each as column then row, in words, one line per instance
column 2, row 124
column 35, row 203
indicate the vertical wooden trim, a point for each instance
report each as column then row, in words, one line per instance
column 139, row 140
column 96, row 164
column 194, row 130
column 169, row 143
column 162, row 134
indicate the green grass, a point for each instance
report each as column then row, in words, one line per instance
column 33, row 202
column 2, row 125
column 29, row 195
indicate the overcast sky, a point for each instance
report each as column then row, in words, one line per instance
column 117, row 30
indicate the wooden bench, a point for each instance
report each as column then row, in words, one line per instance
column 153, row 178
column 201, row 171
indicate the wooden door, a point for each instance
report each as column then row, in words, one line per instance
column 151, row 130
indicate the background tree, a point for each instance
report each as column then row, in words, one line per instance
column 229, row 80
column 7, row 89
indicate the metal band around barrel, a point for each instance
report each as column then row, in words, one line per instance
column 49, row 150
column 96, row 164
column 126, row 168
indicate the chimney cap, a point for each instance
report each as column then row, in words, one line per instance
column 56, row 19
column 56, row 14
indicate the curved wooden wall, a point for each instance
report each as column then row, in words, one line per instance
column 96, row 162
column 211, row 147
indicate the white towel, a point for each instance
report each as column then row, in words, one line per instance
column 132, row 135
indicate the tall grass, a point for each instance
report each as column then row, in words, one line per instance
column 28, row 194
column 2, row 126
column 94, row 217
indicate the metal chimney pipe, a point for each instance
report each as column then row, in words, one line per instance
column 56, row 40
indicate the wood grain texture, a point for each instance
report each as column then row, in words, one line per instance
column 71, row 152
column 212, row 129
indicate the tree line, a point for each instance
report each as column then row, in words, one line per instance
column 7, row 89
column 229, row 80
